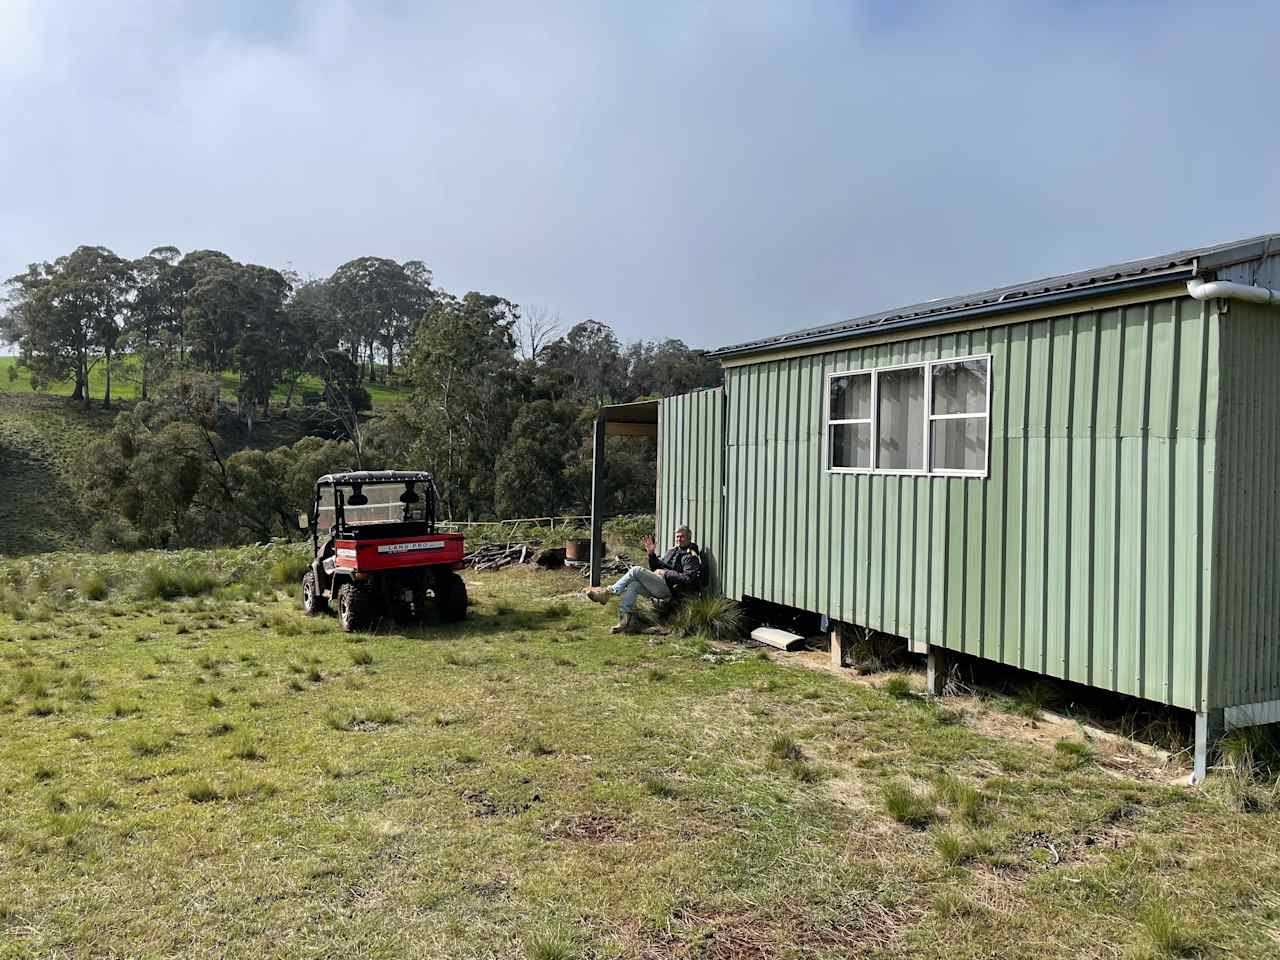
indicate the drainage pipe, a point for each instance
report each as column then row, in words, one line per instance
column 1208, row 290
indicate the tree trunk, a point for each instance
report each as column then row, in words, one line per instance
column 391, row 346
column 106, row 396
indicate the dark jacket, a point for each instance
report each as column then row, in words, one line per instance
column 685, row 566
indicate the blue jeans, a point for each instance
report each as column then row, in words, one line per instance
column 636, row 582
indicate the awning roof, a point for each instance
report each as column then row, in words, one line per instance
column 639, row 419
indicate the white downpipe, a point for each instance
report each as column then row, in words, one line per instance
column 1208, row 290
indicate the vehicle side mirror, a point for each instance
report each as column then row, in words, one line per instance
column 304, row 522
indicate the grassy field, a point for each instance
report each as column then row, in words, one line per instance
column 192, row 768
column 126, row 384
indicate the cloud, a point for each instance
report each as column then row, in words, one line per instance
column 713, row 171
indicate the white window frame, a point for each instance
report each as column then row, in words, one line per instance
column 929, row 418
column 870, row 421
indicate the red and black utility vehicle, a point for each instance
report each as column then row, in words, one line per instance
column 377, row 550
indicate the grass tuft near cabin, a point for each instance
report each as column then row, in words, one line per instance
column 192, row 768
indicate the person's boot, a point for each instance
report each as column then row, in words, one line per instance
column 598, row 594
column 626, row 624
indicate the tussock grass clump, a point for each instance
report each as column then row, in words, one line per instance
column 908, row 807
column 656, row 675
column 361, row 657
column 123, row 708
column 94, row 587
column 550, row 945
column 785, row 747
column 1071, row 754
column 219, row 729
column 148, row 745
column 362, row 718
column 657, row 785
column 710, row 616
column 966, row 803
column 1167, row 935
column 41, row 708
column 76, row 687
column 31, row 682
column 288, row 571
column 201, row 791
column 163, row 582
column 245, row 747
column 245, row 788
column 557, row 611
column 956, row 848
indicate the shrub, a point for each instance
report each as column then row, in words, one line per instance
column 94, row 587
column 161, row 582
column 898, row 687
column 906, row 806
column 710, row 616
column 288, row 571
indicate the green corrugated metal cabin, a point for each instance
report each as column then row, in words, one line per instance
column 1077, row 476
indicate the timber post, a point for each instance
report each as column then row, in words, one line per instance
column 1210, row 726
column 839, row 645
column 936, row 671
column 597, row 498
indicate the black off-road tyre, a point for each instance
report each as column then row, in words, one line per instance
column 451, row 596
column 313, row 601
column 354, row 608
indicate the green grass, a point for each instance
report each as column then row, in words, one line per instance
column 465, row 795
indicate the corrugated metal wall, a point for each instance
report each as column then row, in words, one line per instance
column 1084, row 555
column 1246, row 623
column 691, row 473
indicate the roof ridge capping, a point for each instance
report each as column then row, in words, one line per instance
column 1182, row 264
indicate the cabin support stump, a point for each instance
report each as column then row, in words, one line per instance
column 1210, row 726
column 936, row 671
column 840, row 644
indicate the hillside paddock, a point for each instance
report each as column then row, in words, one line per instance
column 190, row 767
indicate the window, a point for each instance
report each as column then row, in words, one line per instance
column 849, row 420
column 923, row 418
column 958, row 416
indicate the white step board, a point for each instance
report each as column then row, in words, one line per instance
column 776, row 638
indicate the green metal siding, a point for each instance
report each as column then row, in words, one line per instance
column 1085, row 554
column 1246, row 629
column 691, row 473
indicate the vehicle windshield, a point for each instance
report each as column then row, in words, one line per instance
column 386, row 504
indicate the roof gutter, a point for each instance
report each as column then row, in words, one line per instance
column 986, row 309
column 1227, row 290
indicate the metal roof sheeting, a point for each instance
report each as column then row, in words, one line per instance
column 1068, row 286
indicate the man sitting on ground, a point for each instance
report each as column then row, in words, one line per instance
column 678, row 571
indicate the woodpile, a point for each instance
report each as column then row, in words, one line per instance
column 495, row 556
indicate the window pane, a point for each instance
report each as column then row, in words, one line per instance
column 900, row 444
column 959, row 444
column 851, row 397
column 851, row 445
column 960, row 387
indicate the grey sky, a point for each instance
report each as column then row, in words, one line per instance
column 709, row 171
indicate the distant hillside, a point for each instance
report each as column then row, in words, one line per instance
column 41, row 433
column 125, row 384
column 38, row 438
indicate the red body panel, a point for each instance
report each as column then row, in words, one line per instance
column 370, row 556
